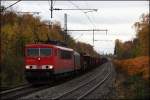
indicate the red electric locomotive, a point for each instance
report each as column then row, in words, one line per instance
column 46, row 60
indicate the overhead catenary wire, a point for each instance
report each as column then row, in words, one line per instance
column 86, row 16
column 50, row 3
column 78, row 37
column 54, row 2
column 84, row 13
column 90, row 11
column 82, row 10
column 11, row 5
column 104, row 40
column 74, row 9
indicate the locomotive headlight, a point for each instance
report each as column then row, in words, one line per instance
column 50, row 66
column 47, row 67
column 27, row 66
column 30, row 67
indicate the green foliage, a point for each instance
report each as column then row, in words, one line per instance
column 12, row 73
column 139, row 86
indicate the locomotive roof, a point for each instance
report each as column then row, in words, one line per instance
column 39, row 45
column 48, row 45
column 64, row 48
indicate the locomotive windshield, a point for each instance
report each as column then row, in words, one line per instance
column 33, row 52
column 45, row 51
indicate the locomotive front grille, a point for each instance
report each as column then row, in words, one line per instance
column 38, row 73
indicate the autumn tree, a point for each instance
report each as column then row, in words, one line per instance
column 139, row 46
column 17, row 30
column 143, row 33
column 118, row 48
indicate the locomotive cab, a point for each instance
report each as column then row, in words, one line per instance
column 39, row 62
column 45, row 61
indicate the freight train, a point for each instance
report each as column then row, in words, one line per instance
column 44, row 61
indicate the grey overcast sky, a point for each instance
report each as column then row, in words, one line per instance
column 116, row 16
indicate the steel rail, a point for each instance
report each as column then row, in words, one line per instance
column 74, row 89
column 18, row 93
column 15, row 89
column 97, row 85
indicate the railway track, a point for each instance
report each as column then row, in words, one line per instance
column 6, row 90
column 10, row 88
column 20, row 91
column 86, row 88
column 78, row 92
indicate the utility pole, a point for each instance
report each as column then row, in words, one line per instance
column 93, row 37
column 51, row 8
column 49, row 27
column 65, row 20
column 65, row 27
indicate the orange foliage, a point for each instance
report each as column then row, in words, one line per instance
column 135, row 66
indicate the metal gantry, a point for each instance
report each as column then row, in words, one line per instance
column 57, row 9
column 66, row 30
column 93, row 30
